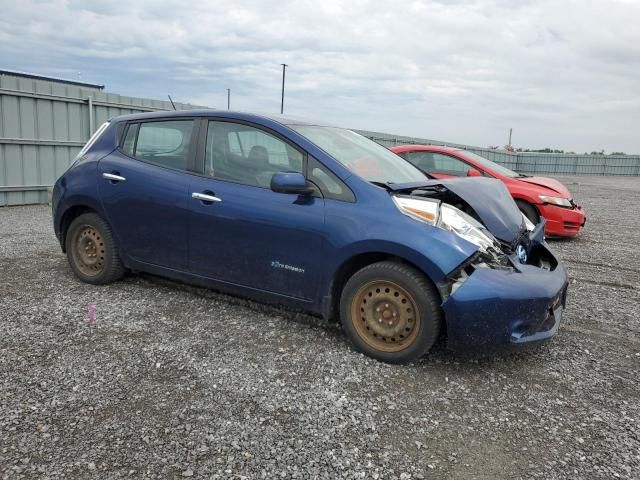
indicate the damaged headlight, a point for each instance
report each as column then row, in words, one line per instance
column 559, row 201
column 448, row 218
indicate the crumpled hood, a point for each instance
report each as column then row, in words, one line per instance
column 550, row 183
column 488, row 197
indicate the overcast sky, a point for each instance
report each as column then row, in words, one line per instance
column 563, row 74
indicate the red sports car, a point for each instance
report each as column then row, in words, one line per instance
column 536, row 196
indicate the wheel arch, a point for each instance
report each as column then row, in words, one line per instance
column 526, row 201
column 350, row 266
column 69, row 216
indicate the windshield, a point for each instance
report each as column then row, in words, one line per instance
column 360, row 155
column 492, row 165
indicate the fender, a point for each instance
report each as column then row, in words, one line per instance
column 370, row 249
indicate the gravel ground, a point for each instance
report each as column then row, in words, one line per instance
column 178, row 382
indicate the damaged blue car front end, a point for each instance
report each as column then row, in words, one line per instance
column 508, row 295
column 509, row 306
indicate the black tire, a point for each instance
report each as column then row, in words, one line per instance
column 400, row 336
column 529, row 211
column 92, row 251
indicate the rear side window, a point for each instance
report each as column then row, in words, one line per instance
column 165, row 143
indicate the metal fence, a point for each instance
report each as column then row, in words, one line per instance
column 525, row 162
column 44, row 122
column 43, row 125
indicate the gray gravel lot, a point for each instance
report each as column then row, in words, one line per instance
column 178, row 382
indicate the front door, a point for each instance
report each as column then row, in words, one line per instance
column 241, row 231
column 144, row 189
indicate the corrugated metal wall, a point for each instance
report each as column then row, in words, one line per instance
column 547, row 163
column 44, row 124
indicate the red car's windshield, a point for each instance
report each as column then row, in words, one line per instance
column 489, row 164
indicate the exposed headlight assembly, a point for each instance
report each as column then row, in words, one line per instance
column 448, row 218
column 560, row 202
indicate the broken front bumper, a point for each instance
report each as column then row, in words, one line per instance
column 565, row 222
column 508, row 308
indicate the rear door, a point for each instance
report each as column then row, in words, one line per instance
column 144, row 188
column 246, row 234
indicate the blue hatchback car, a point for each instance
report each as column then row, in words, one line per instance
column 314, row 217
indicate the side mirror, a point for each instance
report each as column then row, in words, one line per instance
column 290, row 182
column 472, row 172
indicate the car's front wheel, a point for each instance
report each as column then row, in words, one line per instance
column 91, row 250
column 529, row 211
column 391, row 312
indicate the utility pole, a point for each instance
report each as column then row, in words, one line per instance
column 228, row 99
column 284, row 67
column 510, row 131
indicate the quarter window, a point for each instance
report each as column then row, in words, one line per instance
column 129, row 142
column 245, row 154
column 164, row 143
column 330, row 185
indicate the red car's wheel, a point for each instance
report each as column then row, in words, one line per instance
column 529, row 211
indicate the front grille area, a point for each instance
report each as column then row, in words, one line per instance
column 573, row 226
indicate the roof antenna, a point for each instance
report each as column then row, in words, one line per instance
column 172, row 104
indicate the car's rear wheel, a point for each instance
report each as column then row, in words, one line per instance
column 529, row 211
column 91, row 250
column 391, row 312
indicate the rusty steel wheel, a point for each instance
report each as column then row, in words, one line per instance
column 385, row 316
column 92, row 251
column 88, row 250
column 391, row 311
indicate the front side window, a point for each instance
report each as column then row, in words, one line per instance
column 434, row 162
column 244, row 154
column 165, row 143
column 360, row 155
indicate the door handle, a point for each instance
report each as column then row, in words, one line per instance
column 113, row 177
column 205, row 197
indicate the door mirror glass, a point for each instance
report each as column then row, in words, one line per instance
column 472, row 172
column 290, row 182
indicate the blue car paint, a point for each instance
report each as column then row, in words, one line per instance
column 237, row 240
column 148, row 211
column 496, row 309
column 286, row 248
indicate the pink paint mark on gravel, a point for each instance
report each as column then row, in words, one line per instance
column 91, row 314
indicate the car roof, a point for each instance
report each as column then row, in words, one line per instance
column 210, row 112
column 424, row 148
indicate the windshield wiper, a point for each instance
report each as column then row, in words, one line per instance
column 382, row 184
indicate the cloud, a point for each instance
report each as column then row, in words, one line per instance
column 563, row 74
